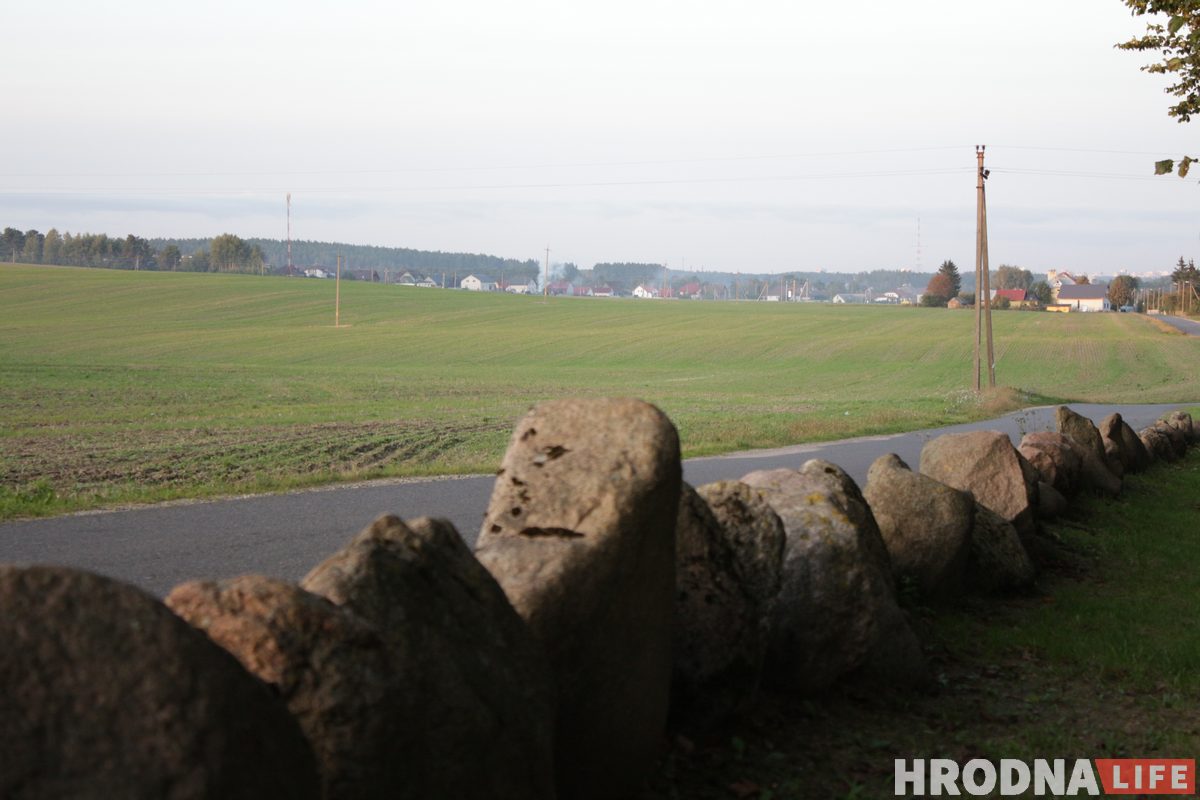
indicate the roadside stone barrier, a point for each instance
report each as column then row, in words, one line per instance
column 580, row 534
column 837, row 612
column 331, row 668
column 1183, row 422
column 729, row 562
column 606, row 604
column 477, row 685
column 986, row 464
column 925, row 525
column 1176, row 435
column 106, row 693
column 1129, row 448
column 999, row 559
column 1158, row 444
column 1056, row 458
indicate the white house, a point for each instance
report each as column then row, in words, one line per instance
column 529, row 287
column 426, row 283
column 315, row 272
column 478, row 283
column 1084, row 296
column 850, row 297
column 644, row 293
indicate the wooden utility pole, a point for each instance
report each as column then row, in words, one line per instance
column 546, row 276
column 983, row 291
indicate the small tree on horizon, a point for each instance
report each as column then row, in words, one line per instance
column 951, row 272
column 939, row 291
column 1121, row 290
column 945, row 284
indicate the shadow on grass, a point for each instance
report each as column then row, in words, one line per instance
column 1099, row 661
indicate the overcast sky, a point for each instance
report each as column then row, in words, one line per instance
column 760, row 136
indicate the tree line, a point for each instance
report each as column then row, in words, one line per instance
column 76, row 250
column 325, row 254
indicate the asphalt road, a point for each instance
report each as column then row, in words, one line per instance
column 1188, row 326
column 285, row 535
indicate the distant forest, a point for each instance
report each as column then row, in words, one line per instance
column 229, row 253
column 360, row 257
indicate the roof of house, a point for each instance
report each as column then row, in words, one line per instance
column 1012, row 295
column 1083, row 291
column 481, row 277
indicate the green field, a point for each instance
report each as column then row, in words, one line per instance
column 122, row 386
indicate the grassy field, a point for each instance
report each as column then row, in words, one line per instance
column 1098, row 662
column 123, row 386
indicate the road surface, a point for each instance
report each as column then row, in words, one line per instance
column 285, row 535
column 1188, row 326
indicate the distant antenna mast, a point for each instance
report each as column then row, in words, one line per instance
column 546, row 276
column 918, row 269
column 289, row 232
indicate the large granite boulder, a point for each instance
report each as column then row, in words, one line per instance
column 837, row 611
column 332, row 669
column 1158, row 444
column 1081, row 430
column 1056, row 458
column 1051, row 502
column 925, row 524
column 1176, row 434
column 729, row 562
column 580, row 534
column 986, row 464
column 1183, row 422
column 999, row 560
column 1117, row 434
column 478, row 689
column 105, row 693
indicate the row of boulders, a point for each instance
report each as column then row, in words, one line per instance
column 605, row 600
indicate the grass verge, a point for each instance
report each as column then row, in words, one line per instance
column 1101, row 661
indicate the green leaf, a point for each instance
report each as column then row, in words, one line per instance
column 1164, row 167
column 1175, row 24
column 1185, row 165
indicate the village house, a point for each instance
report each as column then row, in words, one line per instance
column 478, row 283
column 517, row 287
column 641, row 291
column 1084, row 297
